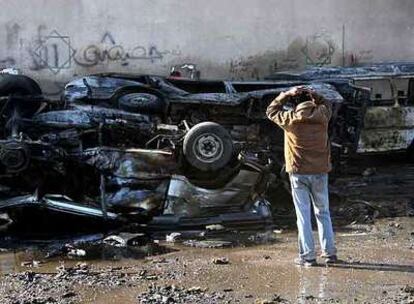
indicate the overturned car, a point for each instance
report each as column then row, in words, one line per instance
column 388, row 115
column 147, row 149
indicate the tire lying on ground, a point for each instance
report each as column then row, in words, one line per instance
column 141, row 103
column 208, row 146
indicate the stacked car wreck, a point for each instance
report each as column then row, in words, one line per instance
column 147, row 149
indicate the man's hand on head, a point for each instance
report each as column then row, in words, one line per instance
column 295, row 91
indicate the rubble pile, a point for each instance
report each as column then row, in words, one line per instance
column 63, row 286
column 173, row 294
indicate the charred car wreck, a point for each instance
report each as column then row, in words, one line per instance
column 148, row 149
column 388, row 116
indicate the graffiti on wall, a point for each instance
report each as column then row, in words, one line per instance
column 257, row 67
column 243, row 68
column 318, row 49
column 315, row 50
column 109, row 50
column 12, row 34
column 362, row 56
column 12, row 41
column 55, row 52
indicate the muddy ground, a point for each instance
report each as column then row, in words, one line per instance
column 372, row 212
column 378, row 267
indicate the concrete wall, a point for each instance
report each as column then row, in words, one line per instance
column 55, row 40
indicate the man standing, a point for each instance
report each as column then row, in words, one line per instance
column 307, row 158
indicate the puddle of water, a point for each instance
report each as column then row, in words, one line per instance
column 25, row 251
column 256, row 267
column 43, row 254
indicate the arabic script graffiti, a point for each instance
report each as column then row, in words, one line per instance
column 109, row 50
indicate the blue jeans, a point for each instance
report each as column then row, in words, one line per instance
column 307, row 189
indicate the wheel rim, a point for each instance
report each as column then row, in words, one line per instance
column 208, row 148
column 14, row 156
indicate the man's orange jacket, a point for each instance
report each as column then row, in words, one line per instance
column 307, row 147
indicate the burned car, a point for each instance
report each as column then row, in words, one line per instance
column 69, row 159
column 387, row 121
column 237, row 106
column 147, row 149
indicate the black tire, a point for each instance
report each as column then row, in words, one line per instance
column 141, row 103
column 14, row 156
column 19, row 85
column 410, row 153
column 208, row 146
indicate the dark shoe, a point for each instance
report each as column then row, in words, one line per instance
column 331, row 259
column 306, row 263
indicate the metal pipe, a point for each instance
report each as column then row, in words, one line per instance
column 343, row 45
column 103, row 200
column 102, row 188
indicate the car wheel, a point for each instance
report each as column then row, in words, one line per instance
column 141, row 103
column 19, row 85
column 410, row 153
column 14, row 156
column 208, row 146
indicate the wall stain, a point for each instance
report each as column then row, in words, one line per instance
column 12, row 35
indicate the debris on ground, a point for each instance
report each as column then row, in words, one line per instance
column 216, row 227
column 262, row 237
column 115, row 240
column 173, row 294
column 208, row 243
column 275, row 299
column 395, row 225
column 31, row 264
column 369, row 172
column 408, row 289
column 173, row 237
column 74, row 252
column 61, row 286
column 125, row 239
column 221, row 261
column 256, row 272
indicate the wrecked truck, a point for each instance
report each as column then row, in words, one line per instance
column 387, row 120
column 147, row 149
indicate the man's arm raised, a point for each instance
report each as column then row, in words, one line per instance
column 275, row 110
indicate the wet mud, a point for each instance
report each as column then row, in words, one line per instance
column 372, row 212
column 377, row 267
